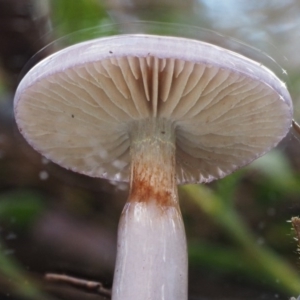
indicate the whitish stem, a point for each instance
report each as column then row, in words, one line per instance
column 152, row 257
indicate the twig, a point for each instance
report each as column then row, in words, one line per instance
column 296, row 126
column 91, row 286
column 296, row 225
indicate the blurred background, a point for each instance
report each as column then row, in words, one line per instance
column 241, row 243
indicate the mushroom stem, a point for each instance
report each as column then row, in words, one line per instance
column 151, row 256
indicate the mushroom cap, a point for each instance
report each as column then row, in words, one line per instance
column 77, row 106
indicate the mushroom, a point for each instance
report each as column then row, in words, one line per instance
column 155, row 111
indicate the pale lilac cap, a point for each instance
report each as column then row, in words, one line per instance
column 76, row 107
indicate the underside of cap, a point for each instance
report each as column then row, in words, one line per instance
column 77, row 106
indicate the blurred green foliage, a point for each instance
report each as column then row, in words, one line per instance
column 278, row 174
column 18, row 280
column 70, row 16
column 21, row 206
column 224, row 214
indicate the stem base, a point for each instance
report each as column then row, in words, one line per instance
column 153, row 262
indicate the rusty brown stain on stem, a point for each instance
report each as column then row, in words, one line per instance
column 154, row 181
column 153, row 173
column 142, row 191
column 157, row 186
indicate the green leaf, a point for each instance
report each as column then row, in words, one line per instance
column 21, row 206
column 277, row 172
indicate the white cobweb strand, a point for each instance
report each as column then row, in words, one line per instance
column 152, row 254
